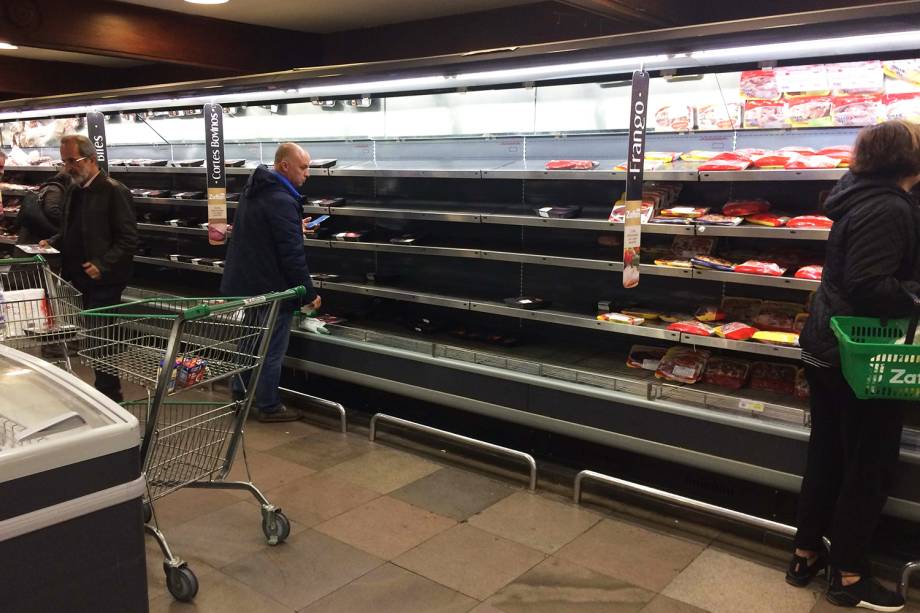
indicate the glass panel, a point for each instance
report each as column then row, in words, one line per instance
column 463, row 113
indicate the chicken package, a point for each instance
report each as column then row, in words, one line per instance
column 683, row 364
column 709, row 313
column 810, row 221
column 712, row 263
column 662, row 156
column 903, row 70
column 903, row 106
column 756, row 267
column 774, row 160
column 771, row 220
column 752, row 152
column 741, row 309
column 853, row 78
column 685, row 212
column 810, row 112
column 802, row 391
column 645, row 357
column 725, row 372
column 690, row 246
column 786, row 339
column 800, row 81
column 812, row 271
column 764, row 114
column 812, row 162
column 759, row 85
column 773, row 377
column 718, row 116
column 743, row 208
column 571, row 165
column 776, row 316
column 621, row 318
column 696, row 328
column 858, row 110
column 698, row 155
column 718, row 220
column 729, row 160
column 798, row 149
column 736, row 331
column 677, row 117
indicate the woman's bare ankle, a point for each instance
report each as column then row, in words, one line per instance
column 805, row 553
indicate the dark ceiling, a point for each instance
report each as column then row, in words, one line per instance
column 170, row 47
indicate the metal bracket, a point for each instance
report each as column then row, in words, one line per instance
column 338, row 408
column 458, row 438
column 906, row 572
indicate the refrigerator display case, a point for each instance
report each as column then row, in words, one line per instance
column 71, row 525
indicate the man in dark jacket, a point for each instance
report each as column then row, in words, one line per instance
column 266, row 254
column 98, row 236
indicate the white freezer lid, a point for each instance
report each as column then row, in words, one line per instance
column 50, row 418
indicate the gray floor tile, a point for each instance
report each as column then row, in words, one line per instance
column 470, row 560
column 183, row 505
column 390, row 589
column 663, row 604
column 219, row 593
column 383, row 470
column 268, row 472
column 323, row 450
column 557, row 585
column 304, row 569
column 262, row 437
column 314, row 499
column 454, row 493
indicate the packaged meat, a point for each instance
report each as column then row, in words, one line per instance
column 759, row 85
column 776, row 316
column 755, row 267
column 610, row 240
column 671, row 318
column 835, row 150
column 789, row 339
column 712, row 263
column 698, row 155
column 686, row 212
column 641, row 313
column 683, row 364
column 570, row 165
column 752, row 152
column 764, row 114
column 798, row 150
column 718, row 116
column 812, row 162
column 677, row 117
column 903, row 70
column 858, row 110
column 813, row 272
column 735, row 331
column 709, row 313
column 773, row 377
column 809, row 221
column 718, row 220
column 903, row 106
column 767, row 219
column 673, row 263
column 850, row 78
column 726, row 372
column 645, row 357
column 621, row 318
column 691, row 327
column 662, row 156
column 802, row 81
column 809, row 112
column 775, row 160
column 648, row 166
column 745, row 207
column 672, row 221
column 559, row 212
column 741, row 309
column 726, row 161
column 802, row 392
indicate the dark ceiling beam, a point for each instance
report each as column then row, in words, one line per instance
column 39, row 78
column 108, row 28
column 648, row 13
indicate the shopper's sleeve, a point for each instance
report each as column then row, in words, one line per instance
column 53, row 205
column 124, row 230
column 287, row 234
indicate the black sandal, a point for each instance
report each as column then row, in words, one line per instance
column 801, row 573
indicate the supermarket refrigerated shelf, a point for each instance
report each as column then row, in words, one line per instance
column 166, row 263
column 831, row 174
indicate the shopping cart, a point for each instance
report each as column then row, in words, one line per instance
column 879, row 358
column 171, row 346
column 37, row 307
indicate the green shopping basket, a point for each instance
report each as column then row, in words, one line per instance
column 873, row 362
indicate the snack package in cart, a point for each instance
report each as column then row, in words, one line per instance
column 683, row 364
column 726, row 372
column 25, row 311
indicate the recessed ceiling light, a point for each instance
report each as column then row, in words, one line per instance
column 207, row 1
column 8, row 46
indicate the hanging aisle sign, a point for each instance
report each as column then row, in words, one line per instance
column 217, row 174
column 95, row 122
column 635, row 163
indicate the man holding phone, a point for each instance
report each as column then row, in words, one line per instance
column 266, row 254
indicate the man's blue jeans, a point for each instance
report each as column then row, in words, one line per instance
column 267, row 398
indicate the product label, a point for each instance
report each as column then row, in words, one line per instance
column 635, row 166
column 216, row 177
column 684, row 372
column 650, row 364
column 95, row 122
column 751, row 405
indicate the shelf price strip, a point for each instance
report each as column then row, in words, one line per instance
column 635, row 162
column 217, row 175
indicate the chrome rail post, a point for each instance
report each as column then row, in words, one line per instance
column 335, row 406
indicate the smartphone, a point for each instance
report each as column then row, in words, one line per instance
column 317, row 221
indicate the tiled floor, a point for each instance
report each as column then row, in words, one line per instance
column 380, row 529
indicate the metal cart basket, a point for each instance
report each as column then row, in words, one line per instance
column 171, row 346
column 37, row 307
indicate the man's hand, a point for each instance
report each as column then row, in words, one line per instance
column 91, row 271
column 307, row 230
column 44, row 244
column 312, row 307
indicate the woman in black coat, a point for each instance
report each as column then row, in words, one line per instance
column 873, row 256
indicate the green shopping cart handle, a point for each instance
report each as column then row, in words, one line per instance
column 35, row 259
column 234, row 305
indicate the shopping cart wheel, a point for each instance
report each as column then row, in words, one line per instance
column 278, row 532
column 148, row 513
column 181, row 583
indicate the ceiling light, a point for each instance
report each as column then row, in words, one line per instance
column 8, row 46
column 207, row 1
column 854, row 44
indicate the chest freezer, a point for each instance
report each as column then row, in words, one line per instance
column 71, row 519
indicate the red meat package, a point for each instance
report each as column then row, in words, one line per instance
column 709, row 313
column 725, row 372
column 859, row 110
column 691, row 327
column 759, row 85
column 741, row 309
column 812, row 272
column 764, row 114
column 773, row 377
column 802, row 391
column 767, row 219
column 570, row 165
column 812, row 162
column 774, row 160
column 726, row 161
column 810, row 221
column 736, row 331
column 645, row 357
column 903, row 106
column 777, row 316
column 797, row 149
column 690, row 246
column 683, row 364
column 809, row 112
column 755, row 267
column 742, row 208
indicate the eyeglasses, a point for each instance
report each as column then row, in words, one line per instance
column 72, row 161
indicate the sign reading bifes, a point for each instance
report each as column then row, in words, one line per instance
column 95, row 122
column 217, row 177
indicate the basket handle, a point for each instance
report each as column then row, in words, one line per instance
column 234, row 305
column 35, row 259
column 912, row 326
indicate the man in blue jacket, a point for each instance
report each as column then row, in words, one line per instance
column 265, row 255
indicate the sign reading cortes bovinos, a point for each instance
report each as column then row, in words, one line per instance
column 635, row 163
column 217, row 177
column 95, row 122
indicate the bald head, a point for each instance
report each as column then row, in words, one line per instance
column 292, row 162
